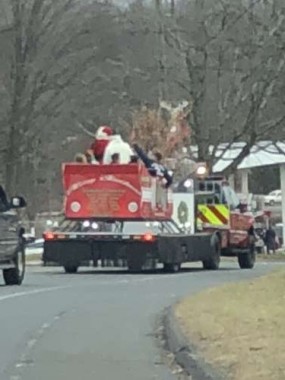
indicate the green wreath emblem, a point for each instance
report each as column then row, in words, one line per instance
column 183, row 212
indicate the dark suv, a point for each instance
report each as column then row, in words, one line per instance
column 12, row 242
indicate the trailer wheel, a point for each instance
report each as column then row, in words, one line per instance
column 171, row 268
column 247, row 260
column 70, row 269
column 213, row 262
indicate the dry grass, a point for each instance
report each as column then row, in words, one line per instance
column 280, row 256
column 240, row 328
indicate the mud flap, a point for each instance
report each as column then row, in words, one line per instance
column 183, row 248
column 138, row 256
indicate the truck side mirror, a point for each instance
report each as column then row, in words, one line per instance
column 18, row 202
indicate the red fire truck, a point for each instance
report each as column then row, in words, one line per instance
column 122, row 215
column 217, row 209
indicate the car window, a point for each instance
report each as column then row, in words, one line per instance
column 231, row 197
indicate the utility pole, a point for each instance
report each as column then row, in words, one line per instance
column 172, row 7
column 161, row 57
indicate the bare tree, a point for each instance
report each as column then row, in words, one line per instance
column 48, row 56
column 68, row 66
column 233, row 71
column 164, row 128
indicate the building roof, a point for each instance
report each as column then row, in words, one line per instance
column 264, row 153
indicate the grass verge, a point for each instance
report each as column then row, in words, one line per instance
column 280, row 256
column 240, row 328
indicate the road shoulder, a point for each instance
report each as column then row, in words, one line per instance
column 237, row 328
column 185, row 354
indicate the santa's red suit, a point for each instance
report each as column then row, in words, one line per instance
column 102, row 139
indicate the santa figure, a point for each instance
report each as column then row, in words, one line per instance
column 117, row 146
column 102, row 139
column 109, row 143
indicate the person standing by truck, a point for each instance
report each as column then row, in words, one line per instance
column 270, row 240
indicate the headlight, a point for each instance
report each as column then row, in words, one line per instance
column 94, row 226
column 188, row 183
column 201, row 171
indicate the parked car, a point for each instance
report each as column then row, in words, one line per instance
column 12, row 242
column 29, row 238
column 274, row 197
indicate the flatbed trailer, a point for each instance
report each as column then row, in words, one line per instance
column 165, row 244
column 116, row 199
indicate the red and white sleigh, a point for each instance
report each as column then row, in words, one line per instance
column 117, row 192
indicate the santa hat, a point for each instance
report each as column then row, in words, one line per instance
column 104, row 132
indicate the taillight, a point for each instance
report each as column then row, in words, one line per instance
column 148, row 237
column 48, row 235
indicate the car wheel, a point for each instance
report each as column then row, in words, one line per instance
column 15, row 276
column 70, row 269
column 272, row 202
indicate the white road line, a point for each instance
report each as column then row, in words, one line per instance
column 32, row 292
column 174, row 276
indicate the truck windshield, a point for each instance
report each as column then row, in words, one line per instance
column 231, row 197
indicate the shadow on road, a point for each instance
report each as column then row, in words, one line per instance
column 125, row 272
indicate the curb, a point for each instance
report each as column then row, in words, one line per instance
column 185, row 354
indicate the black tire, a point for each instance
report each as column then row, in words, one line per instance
column 70, row 269
column 247, row 260
column 15, row 276
column 272, row 202
column 171, row 268
column 213, row 262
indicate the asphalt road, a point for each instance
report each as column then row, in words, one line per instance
column 94, row 325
